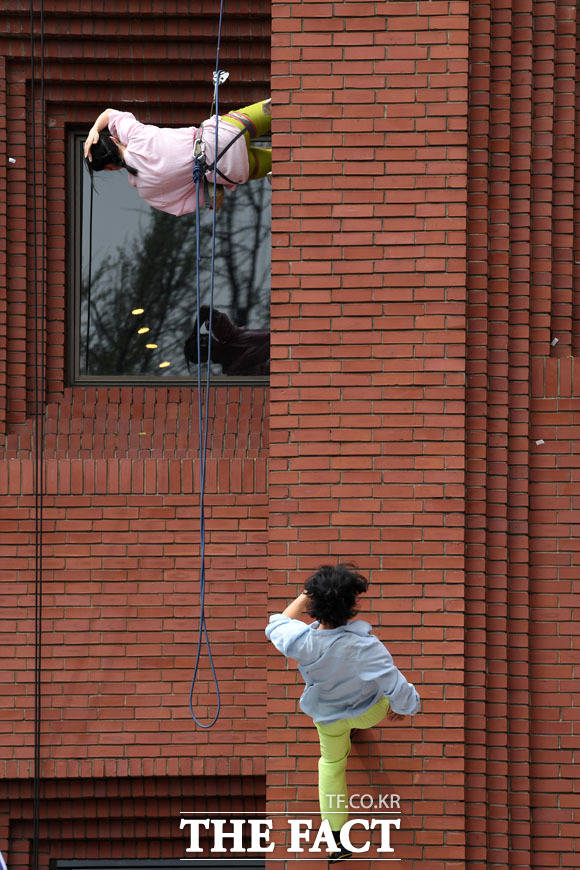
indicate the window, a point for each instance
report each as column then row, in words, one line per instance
column 132, row 300
column 149, row 864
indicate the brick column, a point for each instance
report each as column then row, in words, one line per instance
column 367, row 389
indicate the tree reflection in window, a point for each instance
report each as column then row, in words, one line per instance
column 151, row 270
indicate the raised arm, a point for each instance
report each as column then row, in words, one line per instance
column 287, row 631
column 297, row 608
column 93, row 137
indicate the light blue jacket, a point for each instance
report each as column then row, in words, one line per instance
column 346, row 669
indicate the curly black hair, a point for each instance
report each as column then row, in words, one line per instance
column 332, row 593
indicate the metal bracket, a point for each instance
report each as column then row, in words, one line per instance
column 199, row 149
column 223, row 77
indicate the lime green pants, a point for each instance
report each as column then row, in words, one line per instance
column 254, row 120
column 334, row 751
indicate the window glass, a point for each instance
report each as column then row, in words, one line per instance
column 135, row 282
column 159, row 864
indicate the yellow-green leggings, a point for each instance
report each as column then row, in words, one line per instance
column 334, row 751
column 255, row 122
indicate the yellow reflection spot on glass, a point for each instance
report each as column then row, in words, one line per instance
column 143, row 330
column 138, row 311
column 151, row 346
column 164, row 365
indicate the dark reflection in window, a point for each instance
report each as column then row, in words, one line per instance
column 142, row 283
column 237, row 349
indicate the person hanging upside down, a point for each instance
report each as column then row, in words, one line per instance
column 351, row 680
column 160, row 161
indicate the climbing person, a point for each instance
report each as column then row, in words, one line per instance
column 351, row 680
column 160, row 160
column 239, row 351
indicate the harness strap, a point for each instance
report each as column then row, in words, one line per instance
column 214, row 167
column 228, row 146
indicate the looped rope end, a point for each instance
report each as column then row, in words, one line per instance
column 203, row 411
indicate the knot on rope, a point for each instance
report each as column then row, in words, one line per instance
column 198, row 171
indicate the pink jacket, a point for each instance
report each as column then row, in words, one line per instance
column 163, row 158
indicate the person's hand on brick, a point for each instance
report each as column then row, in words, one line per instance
column 394, row 717
column 298, row 607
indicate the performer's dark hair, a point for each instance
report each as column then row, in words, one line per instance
column 106, row 152
column 332, row 593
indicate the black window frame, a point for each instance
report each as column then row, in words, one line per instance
column 75, row 135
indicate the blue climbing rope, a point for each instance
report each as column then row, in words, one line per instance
column 203, row 405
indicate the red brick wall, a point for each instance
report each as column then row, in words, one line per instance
column 554, row 643
column 124, row 818
column 368, row 384
column 121, row 524
column 419, row 278
column 366, row 371
column 3, row 259
column 524, row 77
